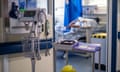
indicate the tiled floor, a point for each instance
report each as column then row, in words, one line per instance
column 81, row 64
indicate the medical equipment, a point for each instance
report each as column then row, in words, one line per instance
column 101, row 39
column 85, row 30
column 46, row 35
column 31, row 43
column 68, row 42
column 81, row 47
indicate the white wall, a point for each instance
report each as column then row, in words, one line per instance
column 1, row 30
column 18, row 63
column 0, row 64
column 118, row 54
column 118, row 41
column 3, row 17
column 59, row 10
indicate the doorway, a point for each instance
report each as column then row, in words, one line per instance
column 118, row 40
column 100, row 11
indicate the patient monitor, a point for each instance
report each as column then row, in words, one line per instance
column 30, row 15
column 36, row 17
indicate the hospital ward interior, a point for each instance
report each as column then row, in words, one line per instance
column 59, row 36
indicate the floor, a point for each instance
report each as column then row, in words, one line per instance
column 81, row 64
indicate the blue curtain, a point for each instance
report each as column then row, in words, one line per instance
column 22, row 4
column 73, row 10
column 27, row 4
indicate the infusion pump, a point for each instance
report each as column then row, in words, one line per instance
column 37, row 17
column 30, row 15
column 31, row 44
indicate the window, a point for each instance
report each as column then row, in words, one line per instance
column 95, row 2
column 42, row 4
column 59, row 11
column 101, row 4
column 98, row 2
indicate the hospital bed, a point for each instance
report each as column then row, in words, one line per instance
column 61, row 32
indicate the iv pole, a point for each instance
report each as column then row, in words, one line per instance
column 32, row 42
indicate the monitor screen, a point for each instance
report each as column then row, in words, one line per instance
column 29, row 13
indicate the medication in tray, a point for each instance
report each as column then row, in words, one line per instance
column 86, row 47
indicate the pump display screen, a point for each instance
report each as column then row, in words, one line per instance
column 29, row 13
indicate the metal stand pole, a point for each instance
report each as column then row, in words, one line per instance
column 88, row 35
column 5, row 63
column 54, row 59
column 66, row 57
column 99, row 60
column 47, row 50
column 93, row 62
column 33, row 64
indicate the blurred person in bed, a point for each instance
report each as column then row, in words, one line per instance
column 75, row 27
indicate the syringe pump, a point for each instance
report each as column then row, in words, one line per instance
column 30, row 15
